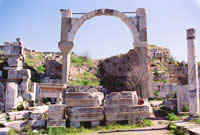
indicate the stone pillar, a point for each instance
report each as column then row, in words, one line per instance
column 141, row 47
column 66, row 44
column 18, row 78
column 11, row 95
column 66, row 24
column 193, row 79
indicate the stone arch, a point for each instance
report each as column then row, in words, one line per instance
column 137, row 25
column 105, row 12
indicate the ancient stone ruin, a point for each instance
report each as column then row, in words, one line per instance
column 17, row 77
column 83, row 104
column 136, row 24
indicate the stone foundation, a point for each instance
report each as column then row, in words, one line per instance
column 120, row 106
column 56, row 116
column 85, row 114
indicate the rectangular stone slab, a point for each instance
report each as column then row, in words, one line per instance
column 15, row 61
column 37, row 123
column 56, row 112
column 56, row 123
column 12, row 50
column 19, row 115
column 86, row 114
column 83, row 99
column 15, row 74
column 121, row 98
column 126, row 108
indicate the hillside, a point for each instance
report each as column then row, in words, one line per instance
column 46, row 67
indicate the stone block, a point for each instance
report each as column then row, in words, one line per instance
column 21, row 115
column 121, row 98
column 4, row 131
column 86, row 114
column 38, row 113
column 131, row 113
column 95, row 123
column 22, row 74
column 15, row 62
column 56, row 123
column 11, row 95
column 12, row 50
column 18, row 125
column 56, row 112
column 83, row 99
column 75, row 124
column 37, row 123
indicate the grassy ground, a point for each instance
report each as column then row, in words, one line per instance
column 82, row 130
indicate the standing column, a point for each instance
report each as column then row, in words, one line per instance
column 193, row 79
column 66, row 43
column 141, row 47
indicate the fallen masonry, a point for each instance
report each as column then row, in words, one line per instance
column 116, row 107
column 121, row 106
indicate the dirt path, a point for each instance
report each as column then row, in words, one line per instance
column 158, row 128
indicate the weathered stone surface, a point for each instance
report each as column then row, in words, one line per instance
column 21, row 115
column 4, row 131
column 15, row 62
column 121, row 98
column 86, row 114
column 18, row 125
column 75, row 124
column 37, row 123
column 12, row 50
column 170, row 103
column 193, row 78
column 83, row 99
column 83, row 89
column 124, row 106
column 38, row 113
column 23, row 74
column 11, row 95
column 56, row 112
column 2, row 118
column 131, row 113
column 2, row 96
column 56, row 123
column 53, row 68
column 70, row 26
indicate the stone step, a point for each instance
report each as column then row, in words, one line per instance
column 4, row 131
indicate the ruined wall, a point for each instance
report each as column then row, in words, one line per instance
column 2, row 95
column 121, row 72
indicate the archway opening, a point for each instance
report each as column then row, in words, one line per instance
column 98, row 38
column 102, row 37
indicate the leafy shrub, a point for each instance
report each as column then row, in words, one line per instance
column 156, row 72
column 20, row 106
column 28, row 129
column 7, row 117
column 41, row 69
column 185, row 108
column 177, row 130
column 172, row 117
column 198, row 121
column 144, row 123
column 156, row 93
column 164, row 81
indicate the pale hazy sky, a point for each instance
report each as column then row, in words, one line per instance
column 37, row 22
